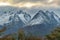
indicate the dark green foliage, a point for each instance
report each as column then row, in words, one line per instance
column 21, row 36
column 55, row 35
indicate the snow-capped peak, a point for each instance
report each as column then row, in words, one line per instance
column 41, row 17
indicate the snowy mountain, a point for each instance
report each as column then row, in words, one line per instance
column 42, row 23
column 48, row 17
column 14, row 25
column 7, row 12
column 14, row 19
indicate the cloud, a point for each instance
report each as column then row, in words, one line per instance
column 57, row 2
column 45, row 2
column 18, row 1
column 22, row 3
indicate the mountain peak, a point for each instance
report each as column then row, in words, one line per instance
column 47, row 11
column 46, row 16
column 41, row 11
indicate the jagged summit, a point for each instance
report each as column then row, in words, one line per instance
column 7, row 12
column 43, row 23
column 41, row 17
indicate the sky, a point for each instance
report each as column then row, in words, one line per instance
column 31, row 3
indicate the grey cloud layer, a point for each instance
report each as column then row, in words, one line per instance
column 42, row 1
column 18, row 1
column 34, row 1
column 45, row 2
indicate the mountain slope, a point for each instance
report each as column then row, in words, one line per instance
column 46, row 23
column 6, row 12
column 10, row 17
column 14, row 19
column 48, row 17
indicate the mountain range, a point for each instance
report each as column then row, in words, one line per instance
column 42, row 23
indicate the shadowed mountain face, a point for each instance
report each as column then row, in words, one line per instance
column 14, row 19
column 42, row 23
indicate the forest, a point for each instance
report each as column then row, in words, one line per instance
column 54, row 35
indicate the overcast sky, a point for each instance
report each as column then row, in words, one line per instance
column 34, row 4
column 27, row 3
